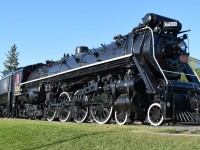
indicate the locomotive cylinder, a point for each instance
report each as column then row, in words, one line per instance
column 123, row 103
column 124, row 86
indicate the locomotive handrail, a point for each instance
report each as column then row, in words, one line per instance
column 146, row 27
column 180, row 73
column 161, row 70
column 194, row 71
column 196, row 75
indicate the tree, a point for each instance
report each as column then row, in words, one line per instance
column 12, row 60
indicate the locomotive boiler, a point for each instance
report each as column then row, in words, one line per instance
column 136, row 77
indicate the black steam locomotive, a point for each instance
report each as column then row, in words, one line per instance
column 137, row 77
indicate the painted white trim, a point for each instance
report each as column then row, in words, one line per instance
column 148, row 115
column 52, row 118
column 87, row 110
column 69, row 99
column 196, row 75
column 105, row 121
column 154, row 53
column 18, row 94
column 123, row 122
column 179, row 73
column 71, row 70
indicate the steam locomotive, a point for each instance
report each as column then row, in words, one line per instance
column 135, row 78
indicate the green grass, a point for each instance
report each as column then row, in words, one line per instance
column 39, row 135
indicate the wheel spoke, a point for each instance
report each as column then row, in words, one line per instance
column 64, row 111
column 51, row 112
column 121, row 117
column 154, row 114
column 81, row 111
column 99, row 115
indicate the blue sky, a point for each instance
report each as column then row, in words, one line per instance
column 46, row 29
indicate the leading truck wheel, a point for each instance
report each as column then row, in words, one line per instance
column 121, row 117
column 154, row 115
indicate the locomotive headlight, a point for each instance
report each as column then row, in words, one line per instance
column 179, row 47
column 182, row 46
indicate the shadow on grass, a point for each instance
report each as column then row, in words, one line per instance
column 65, row 140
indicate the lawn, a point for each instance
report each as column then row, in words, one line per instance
column 40, row 135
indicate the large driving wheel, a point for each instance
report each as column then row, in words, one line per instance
column 81, row 111
column 64, row 111
column 50, row 112
column 154, row 114
column 102, row 112
column 121, row 117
